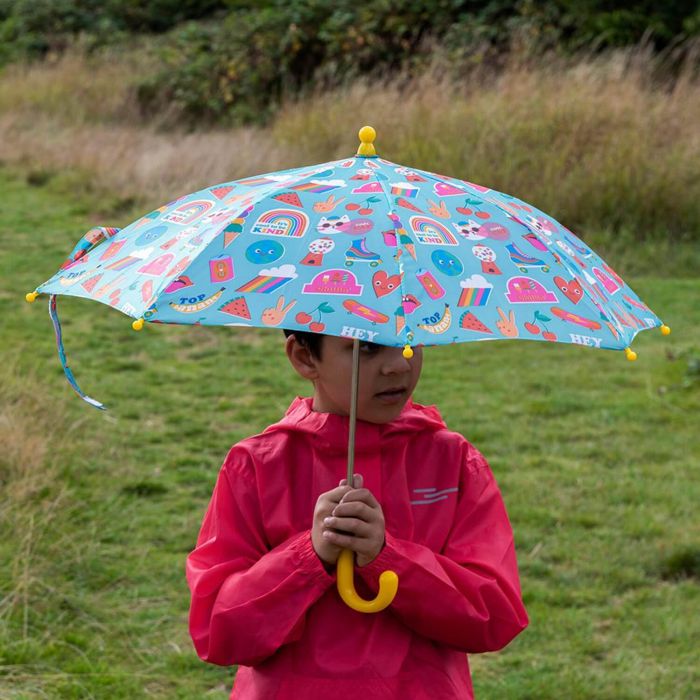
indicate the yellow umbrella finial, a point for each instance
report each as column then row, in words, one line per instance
column 367, row 135
column 630, row 354
column 665, row 330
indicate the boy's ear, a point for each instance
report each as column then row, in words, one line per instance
column 301, row 358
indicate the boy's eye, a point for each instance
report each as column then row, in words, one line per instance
column 366, row 346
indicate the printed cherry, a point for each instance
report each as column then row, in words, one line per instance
column 483, row 215
column 548, row 335
column 303, row 318
column 532, row 328
column 465, row 209
column 316, row 327
column 352, row 206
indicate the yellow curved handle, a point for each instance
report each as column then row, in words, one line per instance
column 388, row 585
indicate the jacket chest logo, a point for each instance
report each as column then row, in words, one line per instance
column 431, row 495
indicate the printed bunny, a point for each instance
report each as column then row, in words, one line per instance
column 273, row 316
column 438, row 209
column 329, row 205
column 507, row 325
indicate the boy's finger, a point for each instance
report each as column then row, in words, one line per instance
column 364, row 495
column 357, row 481
column 348, row 526
column 337, row 493
column 356, row 509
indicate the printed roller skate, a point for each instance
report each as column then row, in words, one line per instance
column 522, row 261
column 359, row 252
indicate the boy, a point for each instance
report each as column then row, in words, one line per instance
column 262, row 575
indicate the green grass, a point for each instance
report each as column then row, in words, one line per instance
column 597, row 459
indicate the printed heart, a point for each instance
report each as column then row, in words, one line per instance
column 443, row 189
column 384, row 284
column 571, row 289
column 147, row 291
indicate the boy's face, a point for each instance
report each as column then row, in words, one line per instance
column 387, row 378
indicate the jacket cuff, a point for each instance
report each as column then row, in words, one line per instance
column 388, row 558
column 308, row 560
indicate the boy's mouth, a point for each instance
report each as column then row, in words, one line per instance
column 392, row 395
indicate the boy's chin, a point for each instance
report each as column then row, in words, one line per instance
column 379, row 412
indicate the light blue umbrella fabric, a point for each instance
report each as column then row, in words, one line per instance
column 362, row 248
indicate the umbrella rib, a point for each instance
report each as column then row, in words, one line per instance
column 399, row 247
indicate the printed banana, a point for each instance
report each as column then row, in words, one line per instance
column 198, row 306
column 441, row 325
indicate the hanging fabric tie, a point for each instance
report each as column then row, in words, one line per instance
column 53, row 313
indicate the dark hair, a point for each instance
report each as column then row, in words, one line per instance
column 312, row 341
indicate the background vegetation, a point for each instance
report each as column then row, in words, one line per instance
column 107, row 110
column 234, row 61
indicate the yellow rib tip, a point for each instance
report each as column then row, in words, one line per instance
column 31, row 297
column 367, row 135
column 408, row 352
column 665, row 330
column 137, row 325
column 630, row 354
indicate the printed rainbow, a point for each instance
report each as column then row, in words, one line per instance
column 264, row 284
column 188, row 212
column 281, row 222
column 430, row 232
column 315, row 187
column 474, row 296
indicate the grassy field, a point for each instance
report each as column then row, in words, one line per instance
column 597, row 459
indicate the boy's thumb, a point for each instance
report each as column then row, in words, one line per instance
column 357, row 481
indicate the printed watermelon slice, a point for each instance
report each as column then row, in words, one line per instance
column 221, row 192
column 236, row 307
column 471, row 323
column 291, row 198
column 89, row 285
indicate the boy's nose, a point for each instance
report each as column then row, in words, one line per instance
column 395, row 362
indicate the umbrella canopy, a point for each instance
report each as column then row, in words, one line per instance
column 362, row 248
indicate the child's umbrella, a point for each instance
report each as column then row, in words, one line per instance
column 365, row 249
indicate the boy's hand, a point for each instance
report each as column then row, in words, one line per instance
column 326, row 550
column 356, row 523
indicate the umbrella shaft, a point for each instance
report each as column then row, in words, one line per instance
column 353, row 408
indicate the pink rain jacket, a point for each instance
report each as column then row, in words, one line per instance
column 262, row 599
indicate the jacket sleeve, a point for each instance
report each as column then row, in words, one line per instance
column 468, row 595
column 247, row 599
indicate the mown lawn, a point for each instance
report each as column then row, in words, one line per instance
column 597, row 459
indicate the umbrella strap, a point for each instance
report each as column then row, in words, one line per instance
column 62, row 356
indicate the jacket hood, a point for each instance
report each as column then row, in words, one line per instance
column 332, row 429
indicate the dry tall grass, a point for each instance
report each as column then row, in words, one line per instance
column 595, row 141
column 31, row 491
